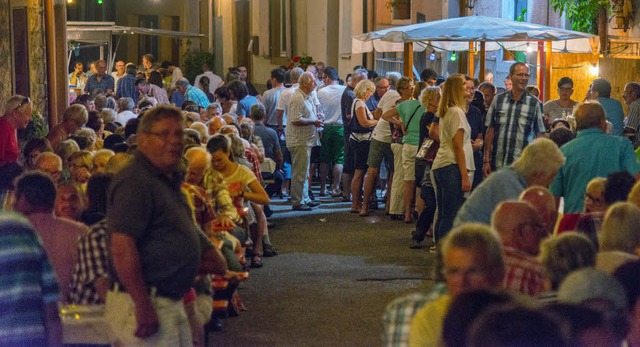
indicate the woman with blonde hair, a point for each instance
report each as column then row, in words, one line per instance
column 453, row 166
column 619, row 237
column 361, row 126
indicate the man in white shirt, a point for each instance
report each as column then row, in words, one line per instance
column 120, row 71
column 302, row 134
column 271, row 97
column 332, row 149
column 214, row 80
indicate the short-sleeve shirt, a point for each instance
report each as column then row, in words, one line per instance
column 93, row 261
column 555, row 111
column 126, row 87
column 244, row 105
column 196, row 95
column 330, row 97
column 454, row 119
column 106, row 83
column 515, row 125
column 382, row 131
column 270, row 100
column 147, row 205
column 411, row 112
column 26, row 282
column 524, row 273
column 614, row 113
column 301, row 106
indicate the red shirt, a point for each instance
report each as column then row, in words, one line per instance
column 8, row 143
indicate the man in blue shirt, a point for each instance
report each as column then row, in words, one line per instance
column 600, row 90
column 126, row 86
column 592, row 154
column 100, row 81
column 192, row 93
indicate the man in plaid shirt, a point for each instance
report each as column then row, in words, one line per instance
column 521, row 230
column 514, row 120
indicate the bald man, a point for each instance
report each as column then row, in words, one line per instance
column 544, row 202
column 215, row 124
column 521, row 230
column 203, row 179
column 51, row 164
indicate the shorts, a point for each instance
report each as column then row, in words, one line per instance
column 377, row 151
column 360, row 150
column 332, row 140
column 409, row 162
column 314, row 157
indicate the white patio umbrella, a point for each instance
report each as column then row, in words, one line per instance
column 454, row 34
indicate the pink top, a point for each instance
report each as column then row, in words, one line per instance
column 8, row 143
column 59, row 237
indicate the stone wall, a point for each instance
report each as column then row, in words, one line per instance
column 6, row 83
column 37, row 56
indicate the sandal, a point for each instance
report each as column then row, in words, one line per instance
column 269, row 251
column 256, row 261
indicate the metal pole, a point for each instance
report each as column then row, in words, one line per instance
column 483, row 61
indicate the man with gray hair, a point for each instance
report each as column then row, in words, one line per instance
column 191, row 93
column 302, row 134
column 285, row 95
column 50, row 164
column 213, row 110
column 538, row 165
column 591, row 154
column 151, row 90
column 125, row 109
column 101, row 81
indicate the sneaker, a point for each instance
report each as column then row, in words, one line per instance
column 302, row 208
column 313, row 204
column 415, row 244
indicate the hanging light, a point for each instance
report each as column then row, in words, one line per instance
column 454, row 57
column 99, row 2
column 432, row 56
column 471, row 4
column 594, row 70
column 529, row 48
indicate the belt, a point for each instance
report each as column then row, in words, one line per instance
column 153, row 291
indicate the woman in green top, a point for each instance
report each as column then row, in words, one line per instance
column 410, row 112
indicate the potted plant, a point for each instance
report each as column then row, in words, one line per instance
column 401, row 9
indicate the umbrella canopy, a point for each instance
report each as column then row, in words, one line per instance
column 455, row 33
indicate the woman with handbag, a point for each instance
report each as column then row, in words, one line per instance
column 411, row 112
column 453, row 166
column 361, row 126
column 396, row 202
column 430, row 98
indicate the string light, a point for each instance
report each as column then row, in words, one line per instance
column 529, row 48
column 454, row 57
column 432, row 56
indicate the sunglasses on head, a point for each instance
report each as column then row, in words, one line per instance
column 24, row 101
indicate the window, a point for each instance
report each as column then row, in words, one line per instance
column 280, row 29
column 519, row 6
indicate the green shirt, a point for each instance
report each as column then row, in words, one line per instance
column 411, row 112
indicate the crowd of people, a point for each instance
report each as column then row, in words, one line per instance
column 152, row 194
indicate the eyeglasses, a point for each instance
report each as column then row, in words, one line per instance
column 165, row 135
column 538, row 227
column 24, row 101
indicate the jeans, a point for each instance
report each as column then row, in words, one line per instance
column 449, row 198
column 428, row 194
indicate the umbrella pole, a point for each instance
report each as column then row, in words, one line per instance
column 540, row 72
column 547, row 72
column 483, row 61
column 408, row 59
column 470, row 60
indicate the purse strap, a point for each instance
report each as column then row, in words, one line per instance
column 411, row 118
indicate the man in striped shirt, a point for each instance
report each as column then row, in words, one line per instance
column 514, row 120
